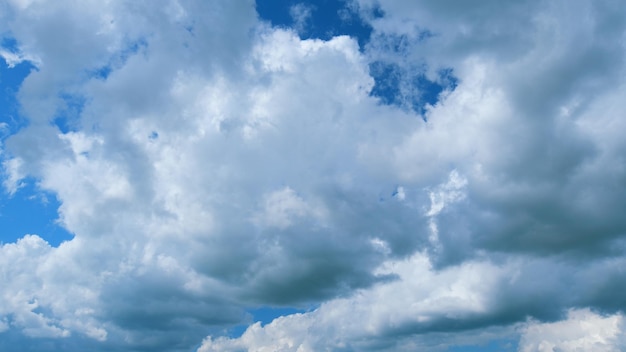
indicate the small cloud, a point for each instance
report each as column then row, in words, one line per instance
column 13, row 175
column 300, row 13
column 447, row 193
column 11, row 59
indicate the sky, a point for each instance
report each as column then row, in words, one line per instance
column 348, row 175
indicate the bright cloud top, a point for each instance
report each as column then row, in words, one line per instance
column 209, row 163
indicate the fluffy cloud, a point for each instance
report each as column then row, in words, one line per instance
column 583, row 330
column 207, row 162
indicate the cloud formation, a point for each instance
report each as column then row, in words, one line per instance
column 207, row 162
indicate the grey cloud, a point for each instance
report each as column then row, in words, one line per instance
column 543, row 195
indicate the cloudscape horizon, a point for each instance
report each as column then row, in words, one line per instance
column 324, row 175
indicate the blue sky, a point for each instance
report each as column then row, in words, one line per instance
column 347, row 175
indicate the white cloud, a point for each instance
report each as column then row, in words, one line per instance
column 11, row 59
column 33, row 299
column 583, row 330
column 14, row 175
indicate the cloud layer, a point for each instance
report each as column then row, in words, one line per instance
column 207, row 163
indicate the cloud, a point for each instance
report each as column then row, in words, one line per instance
column 428, row 309
column 300, row 14
column 13, row 175
column 10, row 58
column 378, row 318
column 582, row 330
column 190, row 195
column 207, row 163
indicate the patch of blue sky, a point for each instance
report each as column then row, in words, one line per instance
column 67, row 118
column 320, row 19
column 402, row 80
column 31, row 211
column 119, row 59
column 10, row 80
column 409, row 88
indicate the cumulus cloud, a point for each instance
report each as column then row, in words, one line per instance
column 583, row 330
column 207, row 162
